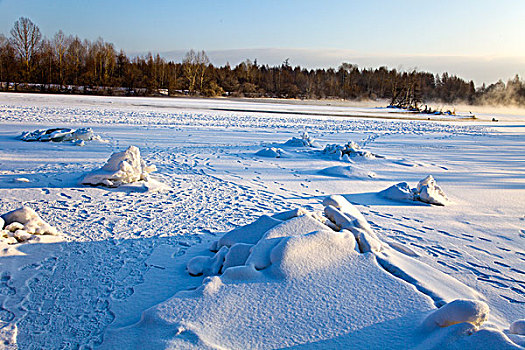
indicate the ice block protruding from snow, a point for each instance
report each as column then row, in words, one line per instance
column 474, row 312
column 21, row 224
column 429, row 192
column 61, row 135
column 121, row 168
column 347, row 151
column 347, row 217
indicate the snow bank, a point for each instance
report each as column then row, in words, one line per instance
column 23, row 224
column 270, row 152
column 122, row 168
column 426, row 191
column 304, row 141
column 77, row 136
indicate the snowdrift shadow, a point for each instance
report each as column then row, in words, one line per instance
column 373, row 198
column 397, row 333
column 107, row 281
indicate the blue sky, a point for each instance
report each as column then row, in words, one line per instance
column 489, row 35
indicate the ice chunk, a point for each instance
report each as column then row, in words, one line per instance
column 121, row 168
column 347, row 218
column 241, row 273
column 474, row 312
column 340, row 202
column 22, row 235
column 14, row 226
column 348, row 151
column 366, row 241
column 429, row 192
column 29, row 220
column 260, row 254
column 60, row 135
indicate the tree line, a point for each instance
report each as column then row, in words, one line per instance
column 68, row 64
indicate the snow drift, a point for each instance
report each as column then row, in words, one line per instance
column 352, row 171
column 23, row 224
column 77, row 136
column 124, row 167
column 426, row 191
column 270, row 152
column 317, row 279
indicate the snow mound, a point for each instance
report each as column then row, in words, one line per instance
column 427, row 191
column 347, row 172
column 304, row 141
column 23, row 224
column 398, row 192
column 474, row 312
column 77, row 136
column 270, row 152
column 266, row 283
column 273, row 282
column 291, row 243
column 348, row 151
column 517, row 327
column 124, row 167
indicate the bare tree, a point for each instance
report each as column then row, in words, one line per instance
column 26, row 37
column 195, row 65
column 60, row 45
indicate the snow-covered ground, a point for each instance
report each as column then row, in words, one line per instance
column 116, row 275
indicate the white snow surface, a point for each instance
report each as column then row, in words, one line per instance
column 327, row 263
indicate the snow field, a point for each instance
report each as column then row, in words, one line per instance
column 126, row 249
